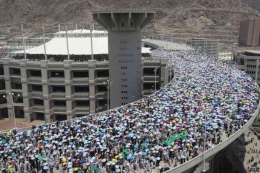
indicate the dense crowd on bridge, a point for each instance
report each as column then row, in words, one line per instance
column 207, row 101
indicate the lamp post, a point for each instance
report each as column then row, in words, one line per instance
column 133, row 98
column 152, row 88
column 155, row 71
column 23, row 42
column 257, row 71
column 108, row 84
column 170, row 71
column 12, row 102
column 67, row 42
column 91, row 40
column 97, row 110
column 43, row 34
column 204, row 144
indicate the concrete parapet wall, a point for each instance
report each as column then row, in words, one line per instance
column 199, row 159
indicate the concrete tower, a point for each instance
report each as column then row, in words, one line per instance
column 124, row 46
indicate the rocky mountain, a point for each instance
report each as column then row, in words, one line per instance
column 186, row 17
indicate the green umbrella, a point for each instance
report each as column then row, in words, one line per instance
column 3, row 141
column 168, row 143
column 94, row 169
column 40, row 158
column 185, row 134
column 123, row 154
column 126, row 152
column 144, row 145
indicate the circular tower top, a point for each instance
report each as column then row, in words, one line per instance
column 123, row 20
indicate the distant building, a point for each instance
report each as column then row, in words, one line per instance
column 211, row 47
column 225, row 56
column 249, row 61
column 249, row 33
column 60, row 89
column 15, row 44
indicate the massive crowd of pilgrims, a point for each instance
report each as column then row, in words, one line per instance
column 206, row 101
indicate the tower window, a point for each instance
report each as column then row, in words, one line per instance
column 122, row 24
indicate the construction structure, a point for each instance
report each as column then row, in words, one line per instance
column 249, row 33
column 124, row 44
column 54, row 87
column 208, row 46
column 249, row 61
column 14, row 44
column 52, row 90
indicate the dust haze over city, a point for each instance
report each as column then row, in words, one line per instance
column 117, row 86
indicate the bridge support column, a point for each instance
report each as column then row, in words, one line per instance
column 214, row 167
column 199, row 168
column 124, row 47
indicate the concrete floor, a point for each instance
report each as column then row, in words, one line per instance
column 7, row 124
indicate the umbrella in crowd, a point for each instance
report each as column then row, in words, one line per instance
column 204, row 101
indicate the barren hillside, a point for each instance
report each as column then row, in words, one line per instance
column 202, row 17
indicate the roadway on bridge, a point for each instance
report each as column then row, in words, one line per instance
column 169, row 45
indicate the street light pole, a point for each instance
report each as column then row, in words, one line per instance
column 155, row 71
column 91, row 40
column 67, row 42
column 204, row 144
column 170, row 71
column 43, row 31
column 108, row 84
column 24, row 51
column 12, row 102
column 257, row 71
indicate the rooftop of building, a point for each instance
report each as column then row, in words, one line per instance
column 248, row 50
column 169, row 45
column 243, row 48
column 255, row 52
column 77, row 45
column 82, row 31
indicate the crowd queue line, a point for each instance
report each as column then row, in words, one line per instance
column 205, row 101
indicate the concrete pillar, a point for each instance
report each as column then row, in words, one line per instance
column 124, row 66
column 142, row 79
column 124, row 47
column 199, row 168
column 211, row 165
column 257, row 71
column 8, row 88
column 163, row 71
column 48, row 113
column 92, row 84
column 69, row 95
column 26, row 96
column 166, row 76
column 215, row 165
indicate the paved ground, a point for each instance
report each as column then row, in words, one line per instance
column 243, row 151
column 169, row 45
column 7, row 124
column 248, row 154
